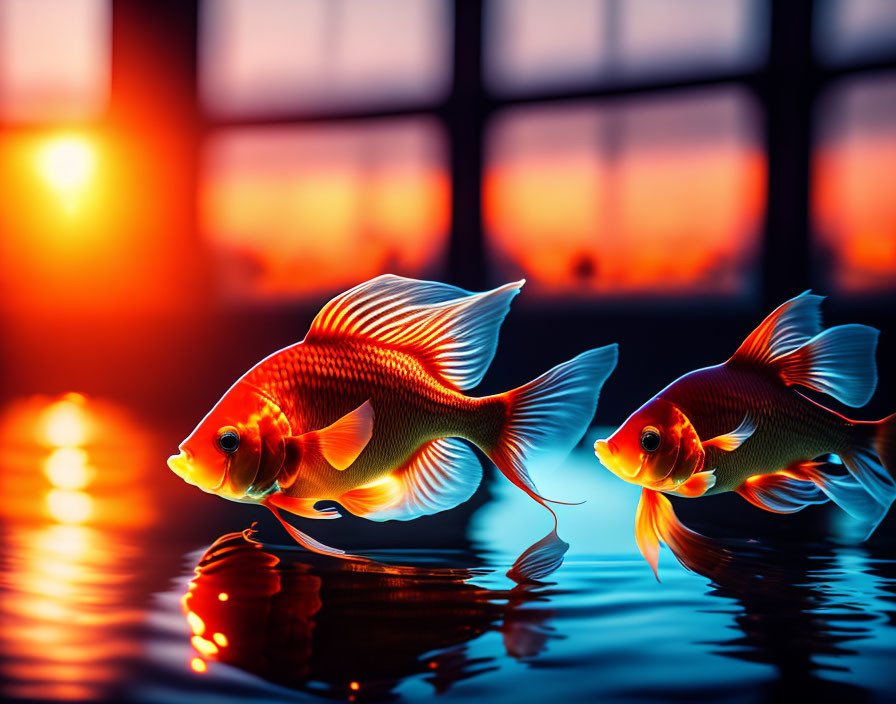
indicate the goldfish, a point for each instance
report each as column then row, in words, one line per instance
column 369, row 411
column 744, row 426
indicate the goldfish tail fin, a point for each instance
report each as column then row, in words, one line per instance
column 655, row 521
column 872, row 463
column 549, row 415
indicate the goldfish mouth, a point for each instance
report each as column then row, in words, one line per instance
column 180, row 464
column 606, row 452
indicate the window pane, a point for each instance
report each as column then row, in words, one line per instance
column 276, row 56
column 536, row 43
column 295, row 211
column 658, row 196
column 854, row 30
column 54, row 59
column 531, row 44
column 854, row 192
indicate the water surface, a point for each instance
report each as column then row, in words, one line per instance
column 128, row 586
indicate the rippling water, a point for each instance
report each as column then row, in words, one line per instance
column 106, row 601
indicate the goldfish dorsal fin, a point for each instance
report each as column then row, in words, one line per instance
column 442, row 474
column 790, row 325
column 342, row 442
column 453, row 332
column 734, row 439
column 697, row 484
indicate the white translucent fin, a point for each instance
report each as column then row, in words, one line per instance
column 733, row 440
column 442, row 474
column 539, row 560
column 868, row 470
column 838, row 361
column 453, row 332
column 549, row 415
column 790, row 325
column 341, row 442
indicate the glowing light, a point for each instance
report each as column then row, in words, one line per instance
column 223, row 596
column 67, row 164
column 197, row 625
column 220, row 639
column 65, row 423
column 67, row 468
column 203, row 646
column 354, row 686
column 198, row 665
column 69, row 506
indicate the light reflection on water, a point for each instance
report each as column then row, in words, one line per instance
column 240, row 621
column 71, row 497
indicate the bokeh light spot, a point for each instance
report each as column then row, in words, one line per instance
column 69, row 506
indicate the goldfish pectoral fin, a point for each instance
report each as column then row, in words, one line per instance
column 786, row 328
column 342, row 442
column 302, row 507
column 454, row 331
column 442, row 474
column 539, row 560
column 733, row 440
column 697, row 485
column 645, row 529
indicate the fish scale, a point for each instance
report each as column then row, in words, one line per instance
column 789, row 427
column 317, row 384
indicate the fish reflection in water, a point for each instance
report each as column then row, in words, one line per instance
column 352, row 629
column 804, row 608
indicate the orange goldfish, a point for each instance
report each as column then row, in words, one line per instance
column 743, row 426
column 369, row 411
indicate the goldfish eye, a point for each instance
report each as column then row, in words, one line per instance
column 650, row 439
column 228, row 440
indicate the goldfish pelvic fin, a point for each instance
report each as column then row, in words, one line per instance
column 785, row 492
column 655, row 521
column 697, row 485
column 442, row 474
column 302, row 507
column 306, row 541
column 838, row 362
column 342, row 442
column 539, row 560
column 786, row 328
column 548, row 416
column 454, row 333
column 733, row 440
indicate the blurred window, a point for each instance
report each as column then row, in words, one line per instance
column 854, row 188
column 534, row 44
column 276, row 57
column 291, row 211
column 846, row 31
column 641, row 196
column 54, row 59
